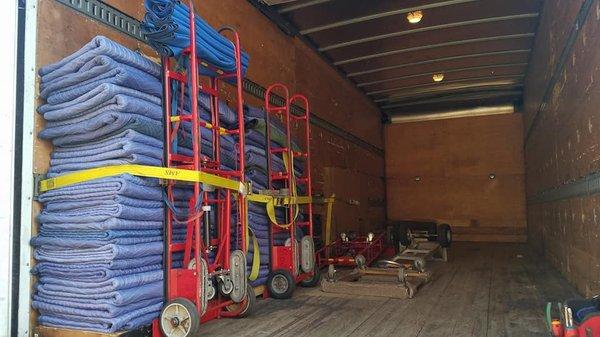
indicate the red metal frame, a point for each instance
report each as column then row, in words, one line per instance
column 282, row 257
column 181, row 281
column 343, row 253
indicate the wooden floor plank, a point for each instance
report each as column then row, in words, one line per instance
column 462, row 310
column 485, row 290
column 515, row 306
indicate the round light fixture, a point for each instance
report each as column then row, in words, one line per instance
column 438, row 77
column 414, row 17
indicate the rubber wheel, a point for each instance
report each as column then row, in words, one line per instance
column 444, row 235
column 313, row 281
column 179, row 318
column 248, row 304
column 402, row 234
column 281, row 284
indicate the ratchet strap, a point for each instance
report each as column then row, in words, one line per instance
column 328, row 219
column 142, row 171
column 255, row 258
column 271, row 204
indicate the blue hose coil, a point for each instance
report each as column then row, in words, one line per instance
column 166, row 26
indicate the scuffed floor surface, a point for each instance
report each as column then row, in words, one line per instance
column 491, row 290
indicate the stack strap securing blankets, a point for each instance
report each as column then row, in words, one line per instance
column 100, row 243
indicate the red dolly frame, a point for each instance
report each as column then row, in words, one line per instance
column 285, row 257
column 344, row 253
column 184, row 282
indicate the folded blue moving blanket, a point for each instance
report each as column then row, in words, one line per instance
column 123, row 104
column 103, row 125
column 134, row 158
column 128, row 141
column 99, row 45
column 130, row 320
column 99, row 234
column 116, row 297
column 116, row 264
column 99, row 70
column 103, row 310
column 106, row 94
column 95, row 202
column 103, row 254
column 108, row 223
column 77, row 243
column 115, row 283
column 106, row 188
column 102, row 213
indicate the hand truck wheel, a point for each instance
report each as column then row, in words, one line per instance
column 246, row 307
column 281, row 284
column 179, row 318
column 312, row 281
column 444, row 235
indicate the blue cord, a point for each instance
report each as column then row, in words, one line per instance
column 166, row 25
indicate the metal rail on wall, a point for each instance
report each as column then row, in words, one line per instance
column 128, row 25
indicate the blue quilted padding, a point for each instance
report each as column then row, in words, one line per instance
column 100, row 243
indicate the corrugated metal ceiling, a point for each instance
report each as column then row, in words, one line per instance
column 481, row 46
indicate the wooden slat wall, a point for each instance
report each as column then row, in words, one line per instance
column 563, row 145
column 454, row 159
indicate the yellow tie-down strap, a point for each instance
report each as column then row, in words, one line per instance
column 255, row 258
column 271, row 202
column 142, row 171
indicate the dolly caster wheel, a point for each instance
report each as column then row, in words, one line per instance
column 246, row 307
column 281, row 284
column 331, row 273
column 361, row 261
column 179, row 318
column 313, row 280
column 420, row 264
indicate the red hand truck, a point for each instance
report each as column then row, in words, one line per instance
column 210, row 282
column 293, row 261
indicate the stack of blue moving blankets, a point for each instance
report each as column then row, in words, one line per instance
column 99, row 246
column 100, row 243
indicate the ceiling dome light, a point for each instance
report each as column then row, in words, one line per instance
column 438, row 77
column 414, row 17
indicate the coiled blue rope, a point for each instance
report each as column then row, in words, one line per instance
column 166, row 25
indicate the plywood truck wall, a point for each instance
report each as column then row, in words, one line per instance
column 562, row 141
column 441, row 170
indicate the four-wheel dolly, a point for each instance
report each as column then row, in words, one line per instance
column 390, row 279
column 420, row 241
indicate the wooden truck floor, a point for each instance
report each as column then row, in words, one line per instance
column 491, row 290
